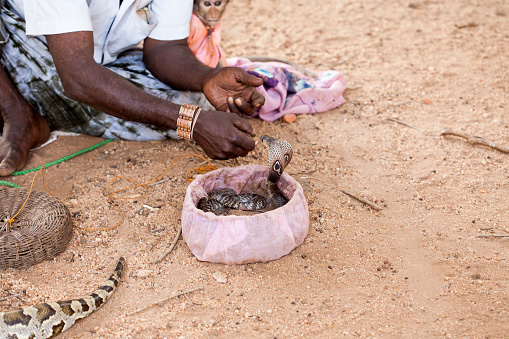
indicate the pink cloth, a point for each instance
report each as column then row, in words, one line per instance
column 206, row 43
column 288, row 91
column 243, row 239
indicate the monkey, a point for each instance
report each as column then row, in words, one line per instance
column 210, row 11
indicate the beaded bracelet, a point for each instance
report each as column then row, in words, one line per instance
column 185, row 121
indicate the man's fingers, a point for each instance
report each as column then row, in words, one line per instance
column 245, row 142
column 232, row 107
column 241, row 152
column 257, row 99
column 248, row 79
column 244, row 126
column 244, row 106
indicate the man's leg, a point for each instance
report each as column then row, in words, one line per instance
column 23, row 128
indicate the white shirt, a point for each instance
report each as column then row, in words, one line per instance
column 115, row 28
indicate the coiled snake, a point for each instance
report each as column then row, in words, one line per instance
column 46, row 320
column 220, row 201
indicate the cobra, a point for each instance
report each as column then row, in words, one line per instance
column 222, row 200
column 280, row 155
column 46, row 320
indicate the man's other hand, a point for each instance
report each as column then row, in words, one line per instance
column 223, row 135
column 231, row 89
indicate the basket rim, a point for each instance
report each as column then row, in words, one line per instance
column 297, row 192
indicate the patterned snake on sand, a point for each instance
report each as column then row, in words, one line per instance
column 46, row 320
column 219, row 201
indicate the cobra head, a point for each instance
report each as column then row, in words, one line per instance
column 280, row 155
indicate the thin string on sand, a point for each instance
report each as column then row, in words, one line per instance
column 147, row 185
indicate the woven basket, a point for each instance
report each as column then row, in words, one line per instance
column 42, row 229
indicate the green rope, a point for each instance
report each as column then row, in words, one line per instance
column 10, row 184
column 64, row 158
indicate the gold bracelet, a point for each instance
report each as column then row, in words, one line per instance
column 185, row 120
column 196, row 114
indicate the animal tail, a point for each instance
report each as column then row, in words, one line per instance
column 46, row 320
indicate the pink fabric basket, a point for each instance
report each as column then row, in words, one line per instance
column 244, row 239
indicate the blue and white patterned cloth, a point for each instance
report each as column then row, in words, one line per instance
column 29, row 63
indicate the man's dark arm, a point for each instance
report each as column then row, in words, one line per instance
column 86, row 81
column 174, row 63
column 221, row 135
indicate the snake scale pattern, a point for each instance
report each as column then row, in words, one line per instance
column 46, row 320
column 220, row 201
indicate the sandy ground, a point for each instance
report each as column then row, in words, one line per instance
column 420, row 267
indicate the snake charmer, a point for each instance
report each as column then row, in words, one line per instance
column 71, row 66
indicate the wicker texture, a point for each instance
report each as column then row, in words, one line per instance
column 42, row 229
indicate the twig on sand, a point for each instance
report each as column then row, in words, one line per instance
column 311, row 171
column 346, row 59
column 189, row 299
column 401, row 103
column 15, row 295
column 469, row 25
column 353, row 88
column 367, row 202
column 161, row 302
column 9, row 297
column 159, row 182
column 474, row 140
column 162, row 256
column 493, row 235
column 405, row 124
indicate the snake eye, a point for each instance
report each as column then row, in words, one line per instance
column 277, row 167
column 287, row 158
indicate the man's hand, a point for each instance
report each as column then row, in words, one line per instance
column 223, row 135
column 232, row 89
column 228, row 89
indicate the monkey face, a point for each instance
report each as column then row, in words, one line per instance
column 210, row 11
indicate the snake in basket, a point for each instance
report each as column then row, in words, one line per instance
column 220, row 201
column 46, row 320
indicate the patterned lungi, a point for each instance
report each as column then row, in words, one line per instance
column 29, row 63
